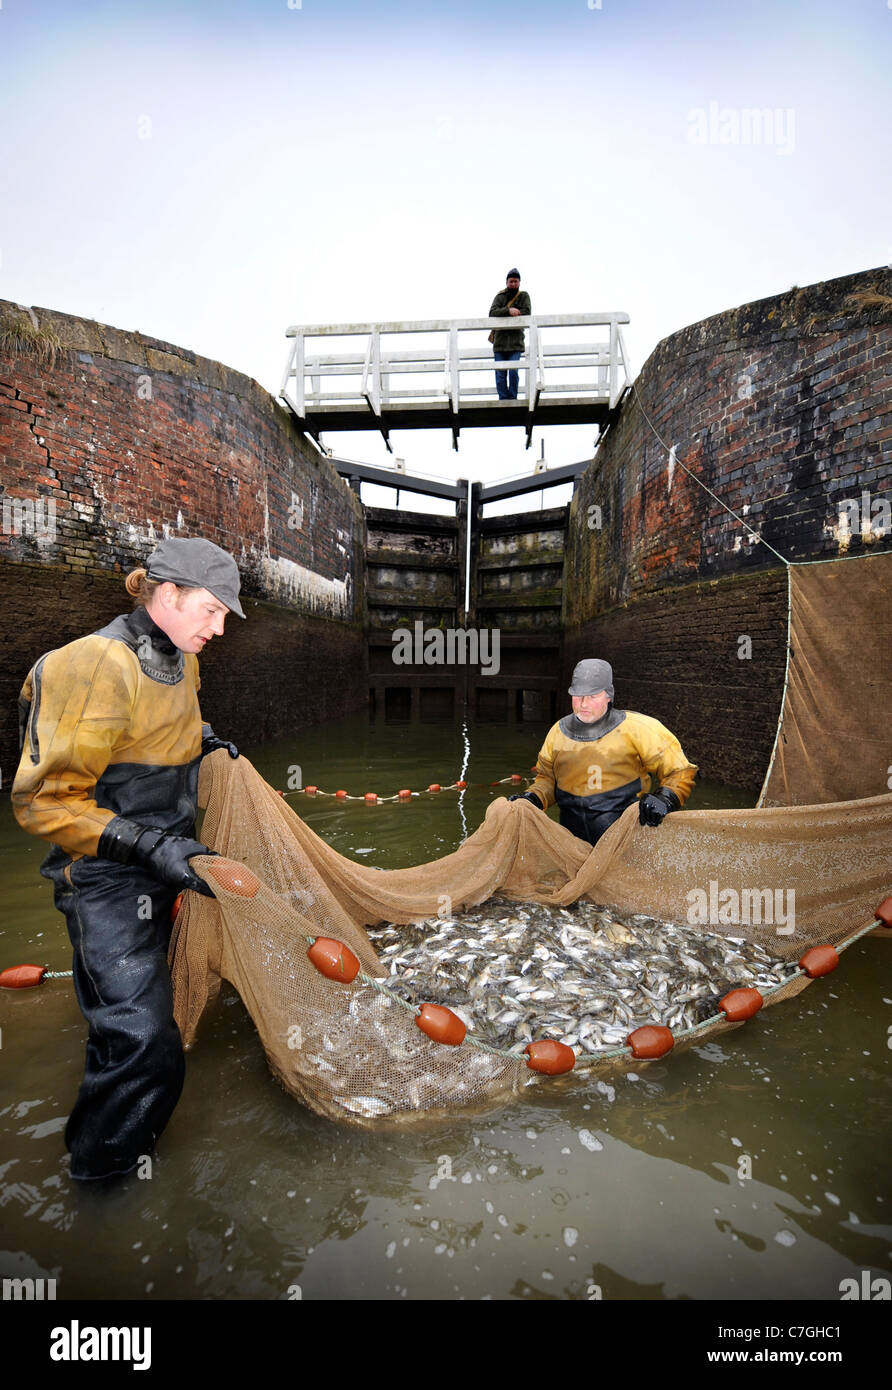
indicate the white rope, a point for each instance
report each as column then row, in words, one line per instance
column 672, row 454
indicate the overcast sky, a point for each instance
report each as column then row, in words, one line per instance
column 211, row 171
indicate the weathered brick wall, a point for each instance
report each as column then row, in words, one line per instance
column 132, row 439
column 783, row 408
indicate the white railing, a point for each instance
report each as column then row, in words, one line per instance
column 439, row 373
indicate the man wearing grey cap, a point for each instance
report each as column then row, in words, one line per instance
column 594, row 761
column 112, row 742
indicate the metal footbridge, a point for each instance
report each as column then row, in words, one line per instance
column 429, row 374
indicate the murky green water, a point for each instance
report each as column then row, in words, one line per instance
column 631, row 1189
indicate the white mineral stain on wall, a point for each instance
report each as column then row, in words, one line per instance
column 282, row 580
column 141, row 537
column 867, row 516
column 293, row 583
column 841, row 531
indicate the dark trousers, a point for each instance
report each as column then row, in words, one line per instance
column 506, row 382
column 589, row 827
column 119, row 924
column 587, row 817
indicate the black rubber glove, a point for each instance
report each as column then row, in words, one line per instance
column 167, row 857
column 210, row 742
column 528, row 796
column 164, row 856
column 653, row 807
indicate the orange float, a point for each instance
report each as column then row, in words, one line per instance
column 333, row 959
column 820, row 960
column 22, row 976
column 516, row 777
column 311, row 791
column 550, row 1056
column 175, row 906
column 434, row 787
column 884, row 912
column 371, row 796
column 739, row 1004
column 234, row 877
column 651, row 1040
column 404, row 793
column 461, row 786
column 340, row 795
column 441, row 1024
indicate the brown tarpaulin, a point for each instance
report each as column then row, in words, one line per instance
column 835, row 742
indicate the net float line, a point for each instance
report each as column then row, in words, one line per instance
column 740, row 1004
column 548, row 1056
column 551, row 1057
column 27, row 976
column 405, row 793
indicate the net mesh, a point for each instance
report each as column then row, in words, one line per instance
column 354, row 1054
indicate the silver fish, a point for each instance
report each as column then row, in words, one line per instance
column 587, row 974
column 367, row 1105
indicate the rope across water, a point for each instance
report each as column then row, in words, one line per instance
column 405, row 793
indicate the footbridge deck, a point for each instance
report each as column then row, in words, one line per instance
column 436, row 382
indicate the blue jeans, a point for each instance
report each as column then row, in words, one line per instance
column 506, row 382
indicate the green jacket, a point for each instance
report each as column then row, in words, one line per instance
column 509, row 340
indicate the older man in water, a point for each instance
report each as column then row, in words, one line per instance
column 594, row 760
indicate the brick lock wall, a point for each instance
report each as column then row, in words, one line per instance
column 783, row 408
column 132, row 439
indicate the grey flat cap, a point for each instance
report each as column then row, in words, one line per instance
column 591, row 677
column 197, row 564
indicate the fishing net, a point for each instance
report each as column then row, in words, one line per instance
column 354, row 1053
